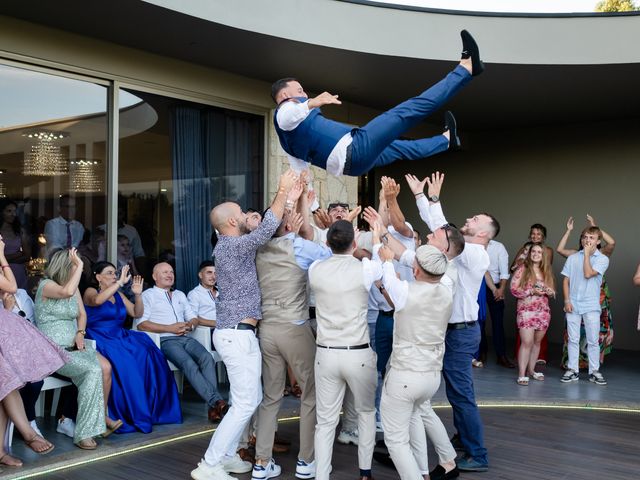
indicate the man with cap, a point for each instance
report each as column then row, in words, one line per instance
column 422, row 310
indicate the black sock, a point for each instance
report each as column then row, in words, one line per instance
column 365, row 473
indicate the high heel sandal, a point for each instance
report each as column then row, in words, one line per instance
column 110, row 429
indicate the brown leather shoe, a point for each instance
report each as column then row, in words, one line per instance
column 216, row 412
column 505, row 362
column 246, row 455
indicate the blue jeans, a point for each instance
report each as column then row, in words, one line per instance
column 376, row 144
column 496, row 310
column 384, row 340
column 196, row 363
column 460, row 346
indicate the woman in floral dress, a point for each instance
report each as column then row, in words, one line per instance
column 532, row 284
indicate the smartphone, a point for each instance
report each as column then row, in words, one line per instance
column 71, row 348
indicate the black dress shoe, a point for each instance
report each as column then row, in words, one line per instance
column 439, row 473
column 470, row 50
column 451, row 125
column 384, row 459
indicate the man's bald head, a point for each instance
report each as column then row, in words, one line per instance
column 228, row 219
column 163, row 275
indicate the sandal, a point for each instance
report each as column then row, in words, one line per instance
column 48, row 446
column 110, row 429
column 477, row 363
column 9, row 461
column 537, row 376
column 85, row 445
column 524, row 381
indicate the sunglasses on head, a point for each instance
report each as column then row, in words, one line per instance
column 336, row 205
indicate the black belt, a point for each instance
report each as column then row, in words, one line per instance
column 389, row 313
column 347, row 162
column 461, row 325
column 354, row 347
column 244, row 326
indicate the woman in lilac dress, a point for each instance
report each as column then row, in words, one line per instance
column 25, row 356
column 17, row 248
column 532, row 284
column 143, row 391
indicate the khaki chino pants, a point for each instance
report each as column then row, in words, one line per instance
column 283, row 344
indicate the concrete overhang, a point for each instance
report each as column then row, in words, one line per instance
column 541, row 69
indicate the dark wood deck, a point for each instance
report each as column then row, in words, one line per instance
column 549, row 444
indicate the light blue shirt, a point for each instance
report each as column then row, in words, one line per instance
column 306, row 251
column 584, row 293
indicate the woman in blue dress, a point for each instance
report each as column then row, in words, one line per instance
column 143, row 392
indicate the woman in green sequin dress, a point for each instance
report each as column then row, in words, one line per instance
column 61, row 316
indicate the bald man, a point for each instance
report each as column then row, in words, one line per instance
column 169, row 314
column 239, row 311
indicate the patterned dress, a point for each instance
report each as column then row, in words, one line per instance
column 56, row 318
column 532, row 311
column 26, row 355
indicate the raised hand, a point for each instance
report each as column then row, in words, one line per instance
column 1, row 247
column 125, row 276
column 294, row 222
column 75, row 259
column 136, row 286
column 435, row 184
column 371, row 216
column 295, row 192
column 287, row 181
column 390, row 187
column 353, row 214
column 591, row 220
column 311, row 196
column 570, row 224
column 415, row 185
column 385, row 254
column 325, row 98
column 321, row 218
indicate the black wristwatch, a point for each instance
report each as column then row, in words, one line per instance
column 434, row 198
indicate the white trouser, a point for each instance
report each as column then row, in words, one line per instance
column 334, row 370
column 592, row 330
column 240, row 353
column 406, row 411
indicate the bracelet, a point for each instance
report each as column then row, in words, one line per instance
column 383, row 237
column 6, row 266
column 417, row 195
column 81, row 332
column 566, row 302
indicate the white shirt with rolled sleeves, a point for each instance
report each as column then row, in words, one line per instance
column 289, row 116
column 202, row 302
column 498, row 261
column 165, row 309
column 471, row 266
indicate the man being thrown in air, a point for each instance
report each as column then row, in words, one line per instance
column 308, row 137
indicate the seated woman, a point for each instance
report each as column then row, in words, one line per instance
column 25, row 356
column 532, row 284
column 58, row 308
column 144, row 392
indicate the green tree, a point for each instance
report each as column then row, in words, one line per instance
column 616, row 6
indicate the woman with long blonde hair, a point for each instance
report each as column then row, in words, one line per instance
column 532, row 284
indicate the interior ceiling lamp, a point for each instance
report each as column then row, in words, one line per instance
column 85, row 176
column 3, row 190
column 45, row 158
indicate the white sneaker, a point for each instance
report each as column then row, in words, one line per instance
column 235, row 464
column 206, row 472
column 347, row 437
column 305, row 470
column 34, row 425
column 263, row 472
column 66, row 427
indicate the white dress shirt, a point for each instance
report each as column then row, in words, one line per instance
column 202, row 302
column 471, row 266
column 24, row 304
column 289, row 116
column 164, row 308
column 55, row 232
column 499, row 261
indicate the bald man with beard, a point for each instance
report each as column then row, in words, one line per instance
column 239, row 311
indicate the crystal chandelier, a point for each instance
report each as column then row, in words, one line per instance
column 3, row 190
column 45, row 158
column 85, row 176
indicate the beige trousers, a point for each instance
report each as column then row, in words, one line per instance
column 282, row 345
column 334, row 370
column 406, row 412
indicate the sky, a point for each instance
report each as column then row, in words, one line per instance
column 528, row 6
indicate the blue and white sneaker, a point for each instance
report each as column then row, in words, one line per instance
column 264, row 472
column 305, row 470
